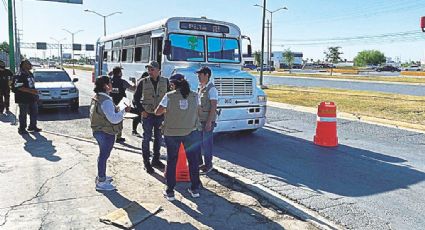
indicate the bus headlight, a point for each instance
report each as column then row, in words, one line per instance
column 262, row 99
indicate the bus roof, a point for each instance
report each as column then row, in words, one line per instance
column 158, row 25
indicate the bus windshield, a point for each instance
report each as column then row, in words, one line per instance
column 224, row 50
column 185, row 47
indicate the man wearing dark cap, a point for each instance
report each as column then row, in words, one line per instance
column 119, row 86
column 153, row 89
column 26, row 97
column 5, row 78
column 208, row 95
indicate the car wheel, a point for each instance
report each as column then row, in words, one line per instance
column 75, row 106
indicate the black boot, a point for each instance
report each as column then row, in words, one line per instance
column 148, row 167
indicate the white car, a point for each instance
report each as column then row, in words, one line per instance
column 56, row 89
column 413, row 68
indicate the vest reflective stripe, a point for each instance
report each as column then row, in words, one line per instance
column 151, row 99
column 326, row 119
column 206, row 103
column 177, row 121
column 98, row 120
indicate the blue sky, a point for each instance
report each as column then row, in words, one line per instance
column 305, row 20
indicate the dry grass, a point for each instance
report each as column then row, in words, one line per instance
column 417, row 79
column 410, row 109
column 79, row 67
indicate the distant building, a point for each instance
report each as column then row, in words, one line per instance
column 248, row 60
column 278, row 60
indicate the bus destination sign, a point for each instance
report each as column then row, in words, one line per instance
column 207, row 27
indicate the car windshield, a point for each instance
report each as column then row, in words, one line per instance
column 224, row 50
column 185, row 47
column 51, row 76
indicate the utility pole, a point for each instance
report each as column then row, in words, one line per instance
column 73, row 60
column 268, row 42
column 262, row 37
column 12, row 63
column 262, row 45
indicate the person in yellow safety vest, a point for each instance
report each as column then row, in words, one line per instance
column 181, row 125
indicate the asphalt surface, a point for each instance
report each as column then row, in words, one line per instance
column 415, row 90
column 373, row 180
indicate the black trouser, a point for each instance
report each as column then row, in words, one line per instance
column 24, row 110
column 136, row 122
column 4, row 100
column 137, row 119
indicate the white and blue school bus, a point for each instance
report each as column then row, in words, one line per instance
column 183, row 45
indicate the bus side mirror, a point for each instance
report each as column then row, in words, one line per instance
column 249, row 51
column 167, row 48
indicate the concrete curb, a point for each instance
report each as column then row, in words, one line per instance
column 290, row 206
column 353, row 117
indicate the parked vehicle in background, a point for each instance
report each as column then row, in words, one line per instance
column 249, row 66
column 266, row 68
column 413, row 68
column 387, row 68
column 56, row 89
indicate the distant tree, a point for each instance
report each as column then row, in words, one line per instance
column 333, row 55
column 4, row 47
column 257, row 58
column 369, row 57
column 289, row 58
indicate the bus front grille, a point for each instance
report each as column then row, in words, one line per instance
column 234, row 86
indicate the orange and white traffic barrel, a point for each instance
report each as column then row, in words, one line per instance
column 326, row 130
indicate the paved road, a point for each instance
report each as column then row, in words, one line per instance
column 369, row 73
column 416, row 90
column 373, row 180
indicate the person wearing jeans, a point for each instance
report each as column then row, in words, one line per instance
column 106, row 122
column 181, row 125
column 208, row 95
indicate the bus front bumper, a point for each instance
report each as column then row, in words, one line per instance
column 238, row 119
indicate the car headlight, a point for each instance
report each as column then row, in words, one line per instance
column 262, row 99
column 73, row 90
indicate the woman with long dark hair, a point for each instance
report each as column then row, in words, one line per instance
column 106, row 122
column 181, row 125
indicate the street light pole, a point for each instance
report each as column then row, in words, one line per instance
column 262, row 44
column 271, row 32
column 104, row 18
column 59, row 48
column 72, row 34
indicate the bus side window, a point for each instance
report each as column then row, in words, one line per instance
column 138, row 54
column 105, row 56
column 124, row 55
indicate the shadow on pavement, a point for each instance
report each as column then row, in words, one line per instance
column 155, row 222
column 63, row 114
column 343, row 170
column 214, row 210
column 39, row 146
column 7, row 118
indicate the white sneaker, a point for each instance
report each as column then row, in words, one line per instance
column 193, row 193
column 104, row 186
column 169, row 196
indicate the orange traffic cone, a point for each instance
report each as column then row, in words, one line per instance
column 326, row 130
column 182, row 170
